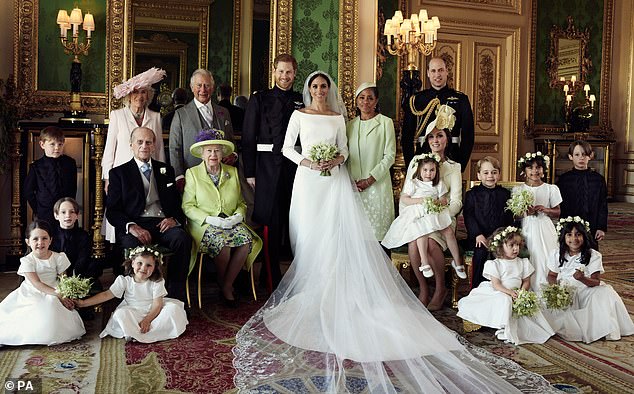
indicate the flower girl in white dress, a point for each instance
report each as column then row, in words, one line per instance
column 145, row 314
column 597, row 311
column 537, row 226
column 424, row 197
column 491, row 303
column 50, row 318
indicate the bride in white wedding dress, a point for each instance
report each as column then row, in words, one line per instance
column 343, row 319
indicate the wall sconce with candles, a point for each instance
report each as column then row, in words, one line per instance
column 75, row 47
column 577, row 116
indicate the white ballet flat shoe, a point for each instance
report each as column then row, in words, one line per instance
column 462, row 274
column 426, row 270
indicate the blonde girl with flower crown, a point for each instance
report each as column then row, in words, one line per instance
column 491, row 303
column 537, row 226
column 597, row 311
column 145, row 314
column 425, row 200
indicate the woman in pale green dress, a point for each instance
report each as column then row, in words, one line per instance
column 372, row 147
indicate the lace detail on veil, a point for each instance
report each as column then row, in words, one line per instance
column 285, row 368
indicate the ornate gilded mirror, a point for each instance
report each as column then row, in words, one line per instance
column 172, row 35
column 568, row 54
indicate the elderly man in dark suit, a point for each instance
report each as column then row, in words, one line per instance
column 144, row 207
column 188, row 120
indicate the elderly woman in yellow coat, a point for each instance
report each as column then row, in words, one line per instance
column 372, row 147
column 215, row 212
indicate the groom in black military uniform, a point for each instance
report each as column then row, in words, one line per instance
column 264, row 128
column 422, row 110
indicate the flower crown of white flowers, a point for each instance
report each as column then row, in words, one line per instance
column 528, row 156
column 572, row 219
column 499, row 237
column 423, row 156
column 145, row 248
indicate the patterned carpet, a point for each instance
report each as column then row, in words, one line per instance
column 200, row 360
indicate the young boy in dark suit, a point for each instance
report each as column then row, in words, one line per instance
column 50, row 177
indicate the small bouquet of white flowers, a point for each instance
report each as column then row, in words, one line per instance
column 73, row 286
column 519, row 202
column 323, row 152
column 433, row 205
column 525, row 304
column 557, row 296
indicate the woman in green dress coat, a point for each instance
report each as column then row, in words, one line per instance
column 372, row 147
column 215, row 211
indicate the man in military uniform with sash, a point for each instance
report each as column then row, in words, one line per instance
column 264, row 128
column 422, row 110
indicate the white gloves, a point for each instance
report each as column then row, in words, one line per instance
column 233, row 220
column 215, row 221
column 225, row 223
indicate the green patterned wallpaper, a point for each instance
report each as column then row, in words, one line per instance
column 315, row 38
column 586, row 14
column 53, row 66
column 389, row 80
column 220, row 41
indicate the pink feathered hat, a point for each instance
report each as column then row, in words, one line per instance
column 143, row 80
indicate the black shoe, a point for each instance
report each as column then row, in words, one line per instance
column 233, row 304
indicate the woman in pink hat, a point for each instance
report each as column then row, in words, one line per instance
column 136, row 93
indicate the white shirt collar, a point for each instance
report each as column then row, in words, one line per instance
column 139, row 163
column 199, row 104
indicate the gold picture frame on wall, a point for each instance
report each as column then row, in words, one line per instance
column 180, row 16
column 30, row 98
column 604, row 128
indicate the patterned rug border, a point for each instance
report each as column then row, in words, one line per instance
column 606, row 381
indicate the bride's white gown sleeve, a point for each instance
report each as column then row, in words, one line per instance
column 343, row 319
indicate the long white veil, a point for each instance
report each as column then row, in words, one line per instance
column 343, row 320
column 333, row 99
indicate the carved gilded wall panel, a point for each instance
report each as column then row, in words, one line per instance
column 281, row 29
column 450, row 51
column 508, row 6
column 486, row 100
column 348, row 43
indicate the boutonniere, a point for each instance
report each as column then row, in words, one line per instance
column 227, row 175
column 163, row 170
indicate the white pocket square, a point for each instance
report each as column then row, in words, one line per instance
column 170, row 184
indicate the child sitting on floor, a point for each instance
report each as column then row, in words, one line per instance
column 597, row 311
column 145, row 314
column 491, row 303
column 34, row 313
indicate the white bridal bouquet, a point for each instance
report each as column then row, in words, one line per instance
column 73, row 286
column 557, row 296
column 519, row 202
column 525, row 304
column 323, row 152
